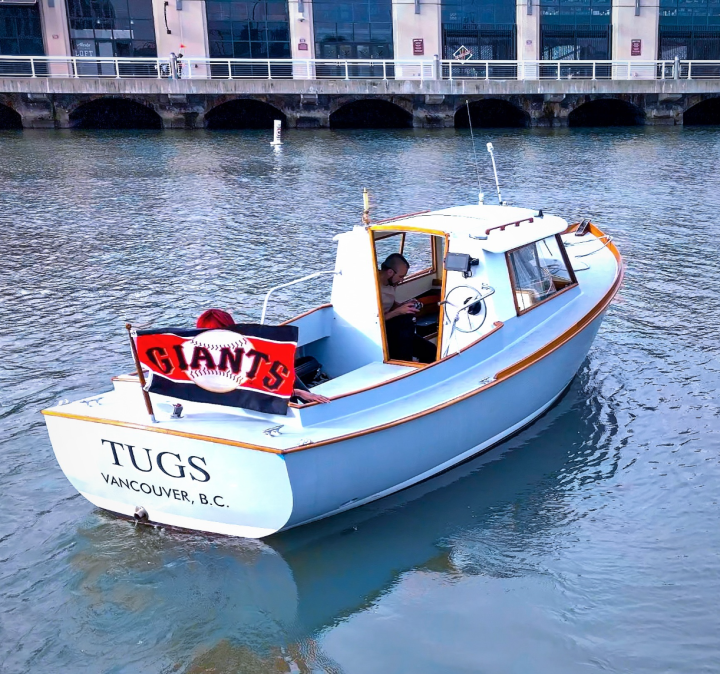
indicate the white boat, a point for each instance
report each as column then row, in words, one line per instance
column 513, row 299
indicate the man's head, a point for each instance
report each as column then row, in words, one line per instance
column 394, row 269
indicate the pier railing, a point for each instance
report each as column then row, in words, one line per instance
column 311, row 69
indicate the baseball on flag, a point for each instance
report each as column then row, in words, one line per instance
column 245, row 365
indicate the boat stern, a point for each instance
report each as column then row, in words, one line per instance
column 163, row 476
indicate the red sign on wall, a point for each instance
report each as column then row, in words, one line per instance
column 418, row 47
column 635, row 47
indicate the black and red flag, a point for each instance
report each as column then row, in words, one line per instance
column 246, row 365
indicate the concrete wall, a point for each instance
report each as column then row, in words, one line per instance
column 49, row 103
column 628, row 27
column 409, row 26
column 301, row 32
column 528, row 30
column 56, row 34
column 188, row 26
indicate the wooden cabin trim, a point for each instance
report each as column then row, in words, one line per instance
column 557, row 293
column 307, row 313
column 419, row 274
column 378, row 296
column 407, row 228
column 407, row 363
column 398, row 217
column 566, row 258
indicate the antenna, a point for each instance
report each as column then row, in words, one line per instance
column 497, row 184
column 472, row 138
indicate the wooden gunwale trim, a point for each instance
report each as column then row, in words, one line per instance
column 164, row 431
column 307, row 313
column 423, row 366
column 597, row 232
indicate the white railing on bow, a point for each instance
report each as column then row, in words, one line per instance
column 376, row 69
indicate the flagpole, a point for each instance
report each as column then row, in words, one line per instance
column 141, row 376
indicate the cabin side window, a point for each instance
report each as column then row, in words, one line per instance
column 538, row 271
column 419, row 249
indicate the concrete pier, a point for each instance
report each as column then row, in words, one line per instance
column 190, row 104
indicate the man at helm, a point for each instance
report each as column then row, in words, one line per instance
column 403, row 343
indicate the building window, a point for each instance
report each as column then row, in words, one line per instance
column 108, row 28
column 485, row 29
column 539, row 271
column 689, row 30
column 575, row 30
column 353, row 29
column 248, row 30
column 20, row 31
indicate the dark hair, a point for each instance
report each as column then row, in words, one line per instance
column 393, row 262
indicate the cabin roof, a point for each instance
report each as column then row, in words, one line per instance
column 482, row 221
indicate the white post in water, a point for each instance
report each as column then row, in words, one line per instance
column 497, row 183
column 277, row 130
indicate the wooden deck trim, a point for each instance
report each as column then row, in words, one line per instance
column 418, row 366
column 164, row 431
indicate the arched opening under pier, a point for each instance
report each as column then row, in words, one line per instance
column 370, row 113
column 114, row 113
column 606, row 112
column 9, row 119
column 491, row 113
column 243, row 113
column 704, row 113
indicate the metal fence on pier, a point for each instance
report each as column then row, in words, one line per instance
column 311, row 69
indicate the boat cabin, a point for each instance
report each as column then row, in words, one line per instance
column 473, row 269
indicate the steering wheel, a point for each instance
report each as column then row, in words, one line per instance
column 465, row 308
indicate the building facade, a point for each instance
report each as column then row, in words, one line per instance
column 364, row 29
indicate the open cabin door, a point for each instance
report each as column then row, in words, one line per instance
column 411, row 338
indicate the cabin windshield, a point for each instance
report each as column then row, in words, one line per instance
column 539, row 271
column 410, row 338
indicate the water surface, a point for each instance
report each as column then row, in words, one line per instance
column 588, row 543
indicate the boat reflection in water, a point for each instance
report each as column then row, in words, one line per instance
column 261, row 599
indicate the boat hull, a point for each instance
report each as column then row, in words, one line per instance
column 209, row 486
column 333, row 478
